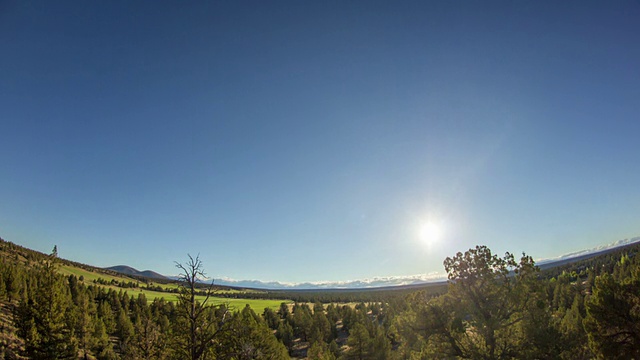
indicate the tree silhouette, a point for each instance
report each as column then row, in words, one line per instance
column 200, row 324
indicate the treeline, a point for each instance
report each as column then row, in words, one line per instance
column 327, row 296
column 493, row 308
column 601, row 263
column 59, row 317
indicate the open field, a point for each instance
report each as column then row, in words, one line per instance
column 236, row 304
column 90, row 276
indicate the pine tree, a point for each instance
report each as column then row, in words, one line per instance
column 250, row 338
column 101, row 346
column 320, row 351
column 285, row 334
column 82, row 322
column 360, row 344
column 271, row 318
column 43, row 316
column 613, row 319
column 124, row 332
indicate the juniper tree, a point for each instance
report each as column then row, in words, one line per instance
column 494, row 309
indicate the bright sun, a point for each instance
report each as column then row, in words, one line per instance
column 430, row 232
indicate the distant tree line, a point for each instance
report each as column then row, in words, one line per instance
column 327, row 296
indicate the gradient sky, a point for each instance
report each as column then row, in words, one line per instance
column 306, row 141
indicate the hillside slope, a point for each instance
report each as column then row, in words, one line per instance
column 128, row 270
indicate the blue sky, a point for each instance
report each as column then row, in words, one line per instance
column 308, row 141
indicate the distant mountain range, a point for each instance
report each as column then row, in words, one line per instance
column 376, row 282
column 410, row 279
column 586, row 253
column 128, row 270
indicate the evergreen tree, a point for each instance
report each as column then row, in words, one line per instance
column 271, row 318
column 101, row 346
column 283, row 311
column 320, row 351
column 11, row 283
column 149, row 340
column 285, row 334
column 573, row 333
column 613, row 318
column 3, row 288
column 359, row 342
column 124, row 332
column 43, row 316
column 82, row 321
column 483, row 314
column 105, row 313
column 250, row 338
column 302, row 321
column 381, row 346
column 320, row 328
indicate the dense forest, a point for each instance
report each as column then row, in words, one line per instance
column 494, row 307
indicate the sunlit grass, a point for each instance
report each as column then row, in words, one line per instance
column 235, row 304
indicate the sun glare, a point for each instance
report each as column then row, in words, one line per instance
column 430, row 233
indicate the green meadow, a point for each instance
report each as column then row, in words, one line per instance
column 234, row 303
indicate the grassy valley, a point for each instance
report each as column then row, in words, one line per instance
column 233, row 298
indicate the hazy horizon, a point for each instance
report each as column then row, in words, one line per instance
column 388, row 280
column 305, row 142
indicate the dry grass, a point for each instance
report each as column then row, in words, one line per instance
column 10, row 344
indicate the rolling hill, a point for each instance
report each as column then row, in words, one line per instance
column 128, row 270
